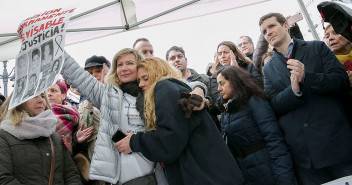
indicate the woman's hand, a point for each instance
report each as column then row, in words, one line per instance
column 83, row 134
column 233, row 59
column 67, row 143
column 123, row 145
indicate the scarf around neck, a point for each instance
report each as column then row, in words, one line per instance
column 131, row 88
column 69, row 117
column 343, row 58
column 42, row 125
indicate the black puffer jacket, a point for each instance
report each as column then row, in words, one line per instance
column 250, row 124
column 29, row 161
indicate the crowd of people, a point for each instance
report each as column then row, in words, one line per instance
column 278, row 113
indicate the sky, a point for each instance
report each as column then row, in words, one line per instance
column 198, row 36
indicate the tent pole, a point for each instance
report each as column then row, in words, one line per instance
column 163, row 13
column 93, row 10
column 72, row 18
column 124, row 15
column 96, row 29
column 102, row 28
column 9, row 40
column 308, row 20
column 5, row 77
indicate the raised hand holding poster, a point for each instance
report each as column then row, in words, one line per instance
column 42, row 53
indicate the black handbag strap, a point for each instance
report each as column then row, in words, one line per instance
column 246, row 150
column 51, row 178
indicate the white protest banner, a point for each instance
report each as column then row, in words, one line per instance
column 42, row 53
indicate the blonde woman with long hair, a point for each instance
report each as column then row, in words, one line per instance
column 192, row 150
column 118, row 100
column 29, row 143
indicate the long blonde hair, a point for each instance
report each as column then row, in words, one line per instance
column 111, row 77
column 157, row 69
column 18, row 113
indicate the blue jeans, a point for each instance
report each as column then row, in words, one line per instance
column 323, row 175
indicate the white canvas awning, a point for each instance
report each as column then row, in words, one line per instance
column 94, row 19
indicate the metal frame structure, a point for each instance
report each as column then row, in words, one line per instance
column 126, row 26
column 308, row 19
column 5, row 77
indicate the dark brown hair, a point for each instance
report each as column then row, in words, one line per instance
column 138, row 40
column 235, row 50
column 279, row 17
column 242, row 84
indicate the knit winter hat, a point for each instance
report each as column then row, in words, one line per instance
column 62, row 86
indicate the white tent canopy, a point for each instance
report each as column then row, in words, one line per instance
column 94, row 19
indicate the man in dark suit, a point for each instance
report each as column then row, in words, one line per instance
column 305, row 82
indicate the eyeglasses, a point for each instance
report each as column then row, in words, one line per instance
column 243, row 44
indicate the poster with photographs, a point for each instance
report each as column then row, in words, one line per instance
column 41, row 57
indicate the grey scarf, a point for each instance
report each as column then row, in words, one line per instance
column 42, row 125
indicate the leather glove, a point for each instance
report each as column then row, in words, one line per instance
column 188, row 102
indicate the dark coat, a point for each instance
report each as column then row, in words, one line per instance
column 315, row 125
column 250, row 56
column 205, row 79
column 249, row 125
column 260, row 50
column 201, row 78
column 192, row 150
column 29, row 161
column 253, row 71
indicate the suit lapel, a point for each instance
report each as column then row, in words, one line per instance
column 300, row 49
column 279, row 70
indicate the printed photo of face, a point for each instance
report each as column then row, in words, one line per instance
column 21, row 65
column 19, row 89
column 47, row 57
column 36, row 57
column 35, row 62
column 56, row 66
column 41, row 85
column 47, row 51
column 31, row 85
column 32, row 80
column 20, row 86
